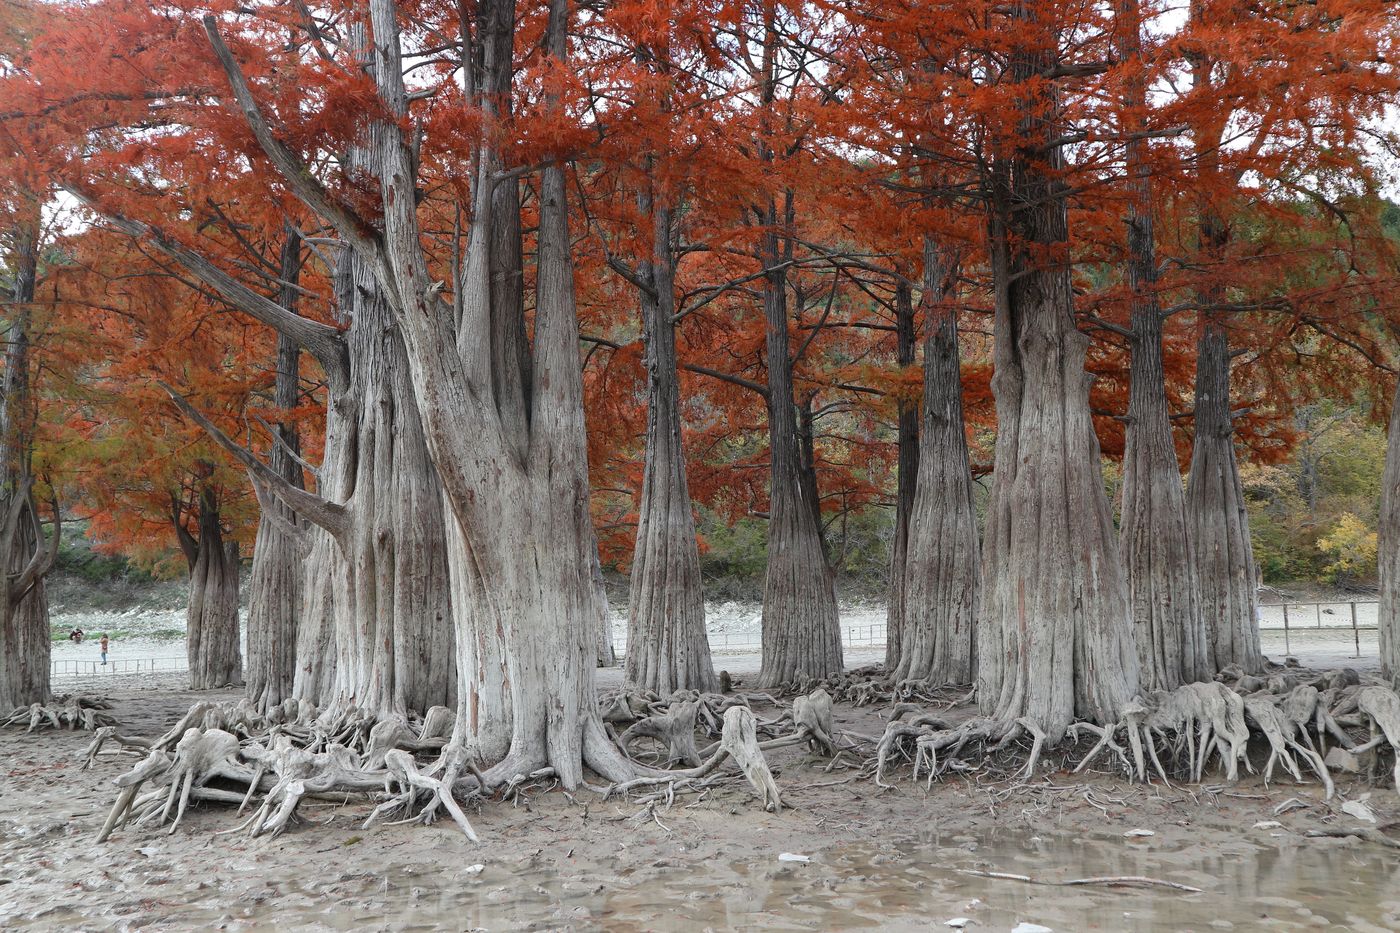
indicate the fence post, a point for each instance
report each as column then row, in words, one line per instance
column 1355, row 632
column 1287, row 649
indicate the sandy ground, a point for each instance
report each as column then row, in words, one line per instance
column 878, row 859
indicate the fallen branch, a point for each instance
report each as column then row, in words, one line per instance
column 1110, row 881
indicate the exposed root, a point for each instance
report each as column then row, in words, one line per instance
column 66, row 712
column 738, row 740
column 1179, row 734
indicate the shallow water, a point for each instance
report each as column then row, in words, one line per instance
column 1292, row 885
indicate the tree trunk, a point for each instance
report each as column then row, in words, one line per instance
column 1162, row 590
column 801, row 627
column 1055, row 639
column 392, row 605
column 1218, row 520
column 1388, row 547
column 211, row 621
column 667, row 646
column 275, row 591
column 907, row 439
column 377, row 628
column 517, row 483
column 1161, row 566
column 941, row 574
column 25, row 644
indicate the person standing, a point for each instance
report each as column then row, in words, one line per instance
column 103, row 646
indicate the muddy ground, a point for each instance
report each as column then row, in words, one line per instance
column 879, row 859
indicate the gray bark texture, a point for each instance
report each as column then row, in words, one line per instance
column 801, row 628
column 667, row 646
column 1055, row 640
column 25, row 558
column 801, row 636
column 211, row 618
column 906, row 477
column 1166, row 603
column 942, row 569
column 275, row 588
column 391, row 606
column 514, row 473
column 1388, row 546
column 1218, row 520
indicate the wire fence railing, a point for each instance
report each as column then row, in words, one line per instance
column 1293, row 618
column 70, row 667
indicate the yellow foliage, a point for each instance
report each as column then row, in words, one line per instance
column 1352, row 545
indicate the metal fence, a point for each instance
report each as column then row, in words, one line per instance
column 1356, row 616
column 1351, row 617
column 65, row 667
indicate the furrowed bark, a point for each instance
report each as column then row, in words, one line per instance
column 942, row 570
column 1055, row 639
column 1218, row 520
column 211, row 620
column 907, row 477
column 1162, row 590
column 667, row 647
column 391, row 605
column 524, row 519
column 801, row 628
column 1388, row 547
column 25, row 559
column 275, row 590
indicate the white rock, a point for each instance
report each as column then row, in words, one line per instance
column 1267, row 824
column 1339, row 759
column 1359, row 810
column 957, row 923
column 1139, row 832
column 1024, row 927
column 790, row 857
column 474, row 869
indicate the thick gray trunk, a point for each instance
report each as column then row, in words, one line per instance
column 1218, row 520
column 211, row 620
column 1162, row 590
column 517, row 485
column 1055, row 639
column 667, row 647
column 801, row 628
column 907, row 477
column 1388, row 548
column 391, row 604
column 942, row 570
column 25, row 644
column 1161, row 567
column 518, row 488
column 24, row 609
column 279, row 555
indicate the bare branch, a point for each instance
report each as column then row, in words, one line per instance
column 320, row 340
column 329, row 515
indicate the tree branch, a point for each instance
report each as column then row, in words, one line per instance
column 43, row 559
column 727, row 377
column 188, row 546
column 329, row 515
column 320, row 340
column 355, row 229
